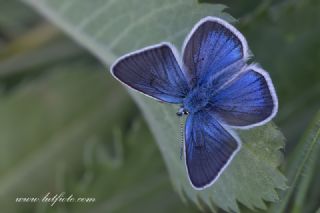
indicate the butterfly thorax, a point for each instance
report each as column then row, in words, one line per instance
column 196, row 100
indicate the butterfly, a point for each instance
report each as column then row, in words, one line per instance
column 215, row 87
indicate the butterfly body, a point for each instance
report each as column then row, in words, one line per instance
column 215, row 88
column 197, row 99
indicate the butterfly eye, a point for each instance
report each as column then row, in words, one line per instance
column 182, row 112
column 179, row 114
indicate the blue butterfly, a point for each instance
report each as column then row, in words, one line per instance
column 215, row 87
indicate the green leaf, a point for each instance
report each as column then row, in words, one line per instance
column 109, row 29
column 302, row 160
column 301, row 200
column 125, row 177
column 46, row 122
column 15, row 18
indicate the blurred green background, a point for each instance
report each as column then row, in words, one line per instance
column 67, row 126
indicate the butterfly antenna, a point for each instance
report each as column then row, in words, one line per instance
column 182, row 138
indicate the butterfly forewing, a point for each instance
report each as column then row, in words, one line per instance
column 212, row 46
column 153, row 71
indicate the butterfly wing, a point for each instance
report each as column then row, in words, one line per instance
column 247, row 100
column 153, row 71
column 209, row 148
column 212, row 46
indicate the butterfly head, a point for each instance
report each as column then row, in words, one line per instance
column 182, row 111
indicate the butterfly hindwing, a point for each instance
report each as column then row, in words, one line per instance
column 212, row 46
column 153, row 71
column 248, row 99
column 209, row 148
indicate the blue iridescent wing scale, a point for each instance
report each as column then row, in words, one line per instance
column 209, row 148
column 211, row 47
column 153, row 71
column 247, row 100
